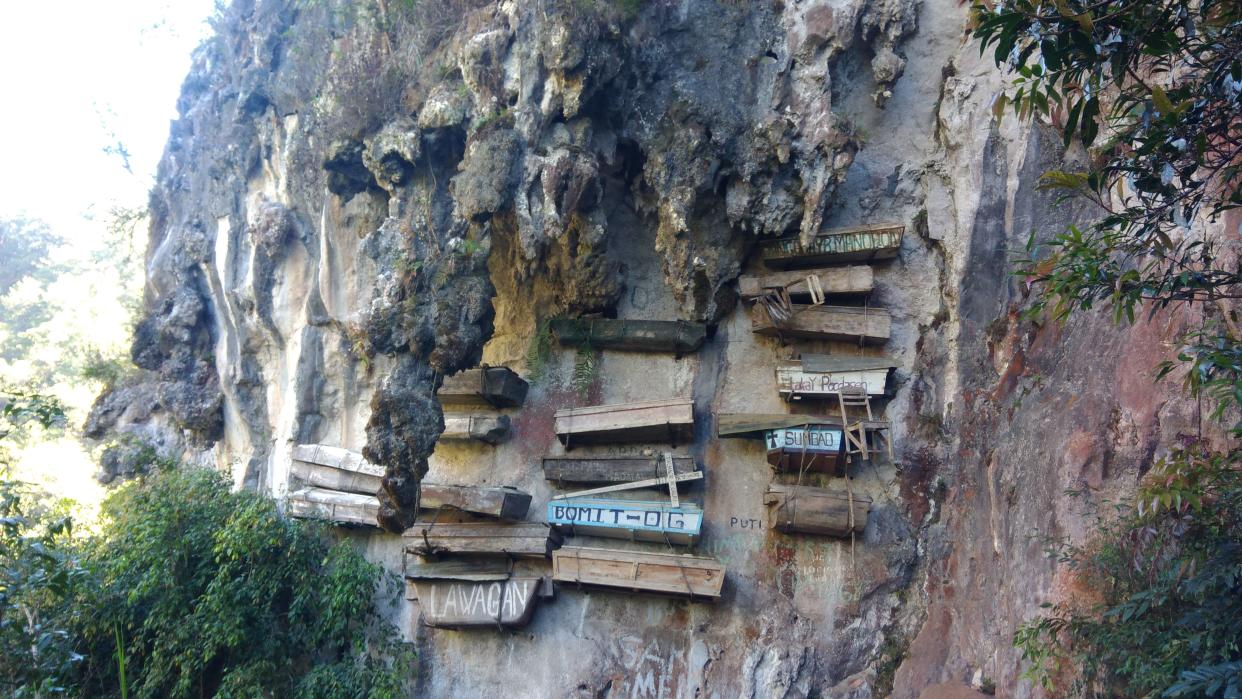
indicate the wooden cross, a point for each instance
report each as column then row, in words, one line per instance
column 670, row 478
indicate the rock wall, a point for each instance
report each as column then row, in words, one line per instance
column 360, row 198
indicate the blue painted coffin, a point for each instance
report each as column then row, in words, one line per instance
column 809, row 448
column 636, row 520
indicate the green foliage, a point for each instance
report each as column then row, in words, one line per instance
column 38, row 574
column 1153, row 89
column 216, row 594
column 1168, row 579
column 1162, row 83
column 539, row 352
column 24, row 247
column 586, row 370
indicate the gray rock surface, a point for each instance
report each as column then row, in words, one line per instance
column 359, row 198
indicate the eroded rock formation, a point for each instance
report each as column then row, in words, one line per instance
column 360, row 198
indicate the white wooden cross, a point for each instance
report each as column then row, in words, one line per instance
column 670, row 478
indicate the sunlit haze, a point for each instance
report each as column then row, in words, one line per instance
column 89, row 89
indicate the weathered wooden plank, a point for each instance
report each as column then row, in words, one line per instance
column 478, row 569
column 808, row 510
column 661, row 573
column 635, row 520
column 829, row 363
column 333, row 506
column 809, row 448
column 335, row 478
column 535, row 539
column 497, row 386
column 664, row 420
column 795, row 381
column 458, row 604
column 658, row 481
column 678, row 336
column 483, row 427
column 847, row 323
column 856, row 243
column 856, row 279
column 503, row 502
column 605, row 469
column 756, row 424
column 336, row 457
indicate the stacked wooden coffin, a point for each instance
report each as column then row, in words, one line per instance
column 617, row 507
column 792, row 302
column 466, row 573
column 338, row 486
column 472, row 400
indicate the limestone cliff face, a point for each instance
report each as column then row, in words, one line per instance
column 359, row 198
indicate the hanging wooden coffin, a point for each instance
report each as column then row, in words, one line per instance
column 335, row 468
column 473, row 569
column 874, row 242
column 532, row 539
column 809, row 448
column 504, row 502
column 463, row 604
column 497, row 386
column 821, row 376
column 670, row 421
column 844, row 323
column 857, row 279
column 636, row 520
column 639, row 571
column 482, row 427
column 333, row 506
column 676, row 336
column 622, row 469
column 807, row 510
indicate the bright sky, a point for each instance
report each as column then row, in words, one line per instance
column 77, row 76
column 72, row 74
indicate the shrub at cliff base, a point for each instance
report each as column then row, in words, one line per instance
column 1163, row 615
column 187, row 590
column 212, row 593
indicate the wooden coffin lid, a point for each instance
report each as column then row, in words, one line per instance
column 662, row 573
column 336, row 457
column 679, row 409
column 611, row 469
column 856, row 279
